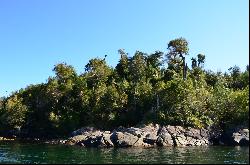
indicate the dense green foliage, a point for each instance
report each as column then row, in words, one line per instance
column 140, row 89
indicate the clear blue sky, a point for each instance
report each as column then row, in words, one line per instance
column 37, row 34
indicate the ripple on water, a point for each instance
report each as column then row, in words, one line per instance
column 37, row 153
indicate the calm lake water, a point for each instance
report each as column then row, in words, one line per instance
column 40, row 153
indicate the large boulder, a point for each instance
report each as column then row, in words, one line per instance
column 164, row 138
column 86, row 136
column 144, row 136
column 123, row 139
column 95, row 139
column 188, row 136
column 150, row 133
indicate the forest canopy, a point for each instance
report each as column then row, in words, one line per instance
column 144, row 88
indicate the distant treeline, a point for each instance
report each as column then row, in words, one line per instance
column 145, row 88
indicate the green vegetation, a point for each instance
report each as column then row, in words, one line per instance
column 144, row 88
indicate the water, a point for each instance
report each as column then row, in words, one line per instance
column 41, row 153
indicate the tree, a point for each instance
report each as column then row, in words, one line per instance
column 14, row 113
column 235, row 72
column 178, row 48
column 64, row 71
column 238, row 79
column 137, row 91
column 211, row 78
column 154, row 62
column 194, row 62
column 201, row 59
column 137, row 67
column 97, row 71
column 122, row 66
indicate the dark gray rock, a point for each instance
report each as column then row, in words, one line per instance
column 144, row 136
column 164, row 138
column 188, row 136
column 150, row 134
column 95, row 141
column 150, row 139
column 123, row 139
column 235, row 137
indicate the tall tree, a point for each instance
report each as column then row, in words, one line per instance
column 178, row 48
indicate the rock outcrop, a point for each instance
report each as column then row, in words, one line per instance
column 143, row 136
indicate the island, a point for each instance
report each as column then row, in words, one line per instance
column 147, row 100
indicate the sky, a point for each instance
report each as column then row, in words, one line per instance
column 37, row 34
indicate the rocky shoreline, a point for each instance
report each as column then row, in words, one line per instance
column 155, row 135
column 151, row 135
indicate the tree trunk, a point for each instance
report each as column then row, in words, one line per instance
column 184, row 68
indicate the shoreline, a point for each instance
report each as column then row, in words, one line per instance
column 146, row 136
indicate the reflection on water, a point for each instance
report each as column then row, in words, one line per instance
column 40, row 153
